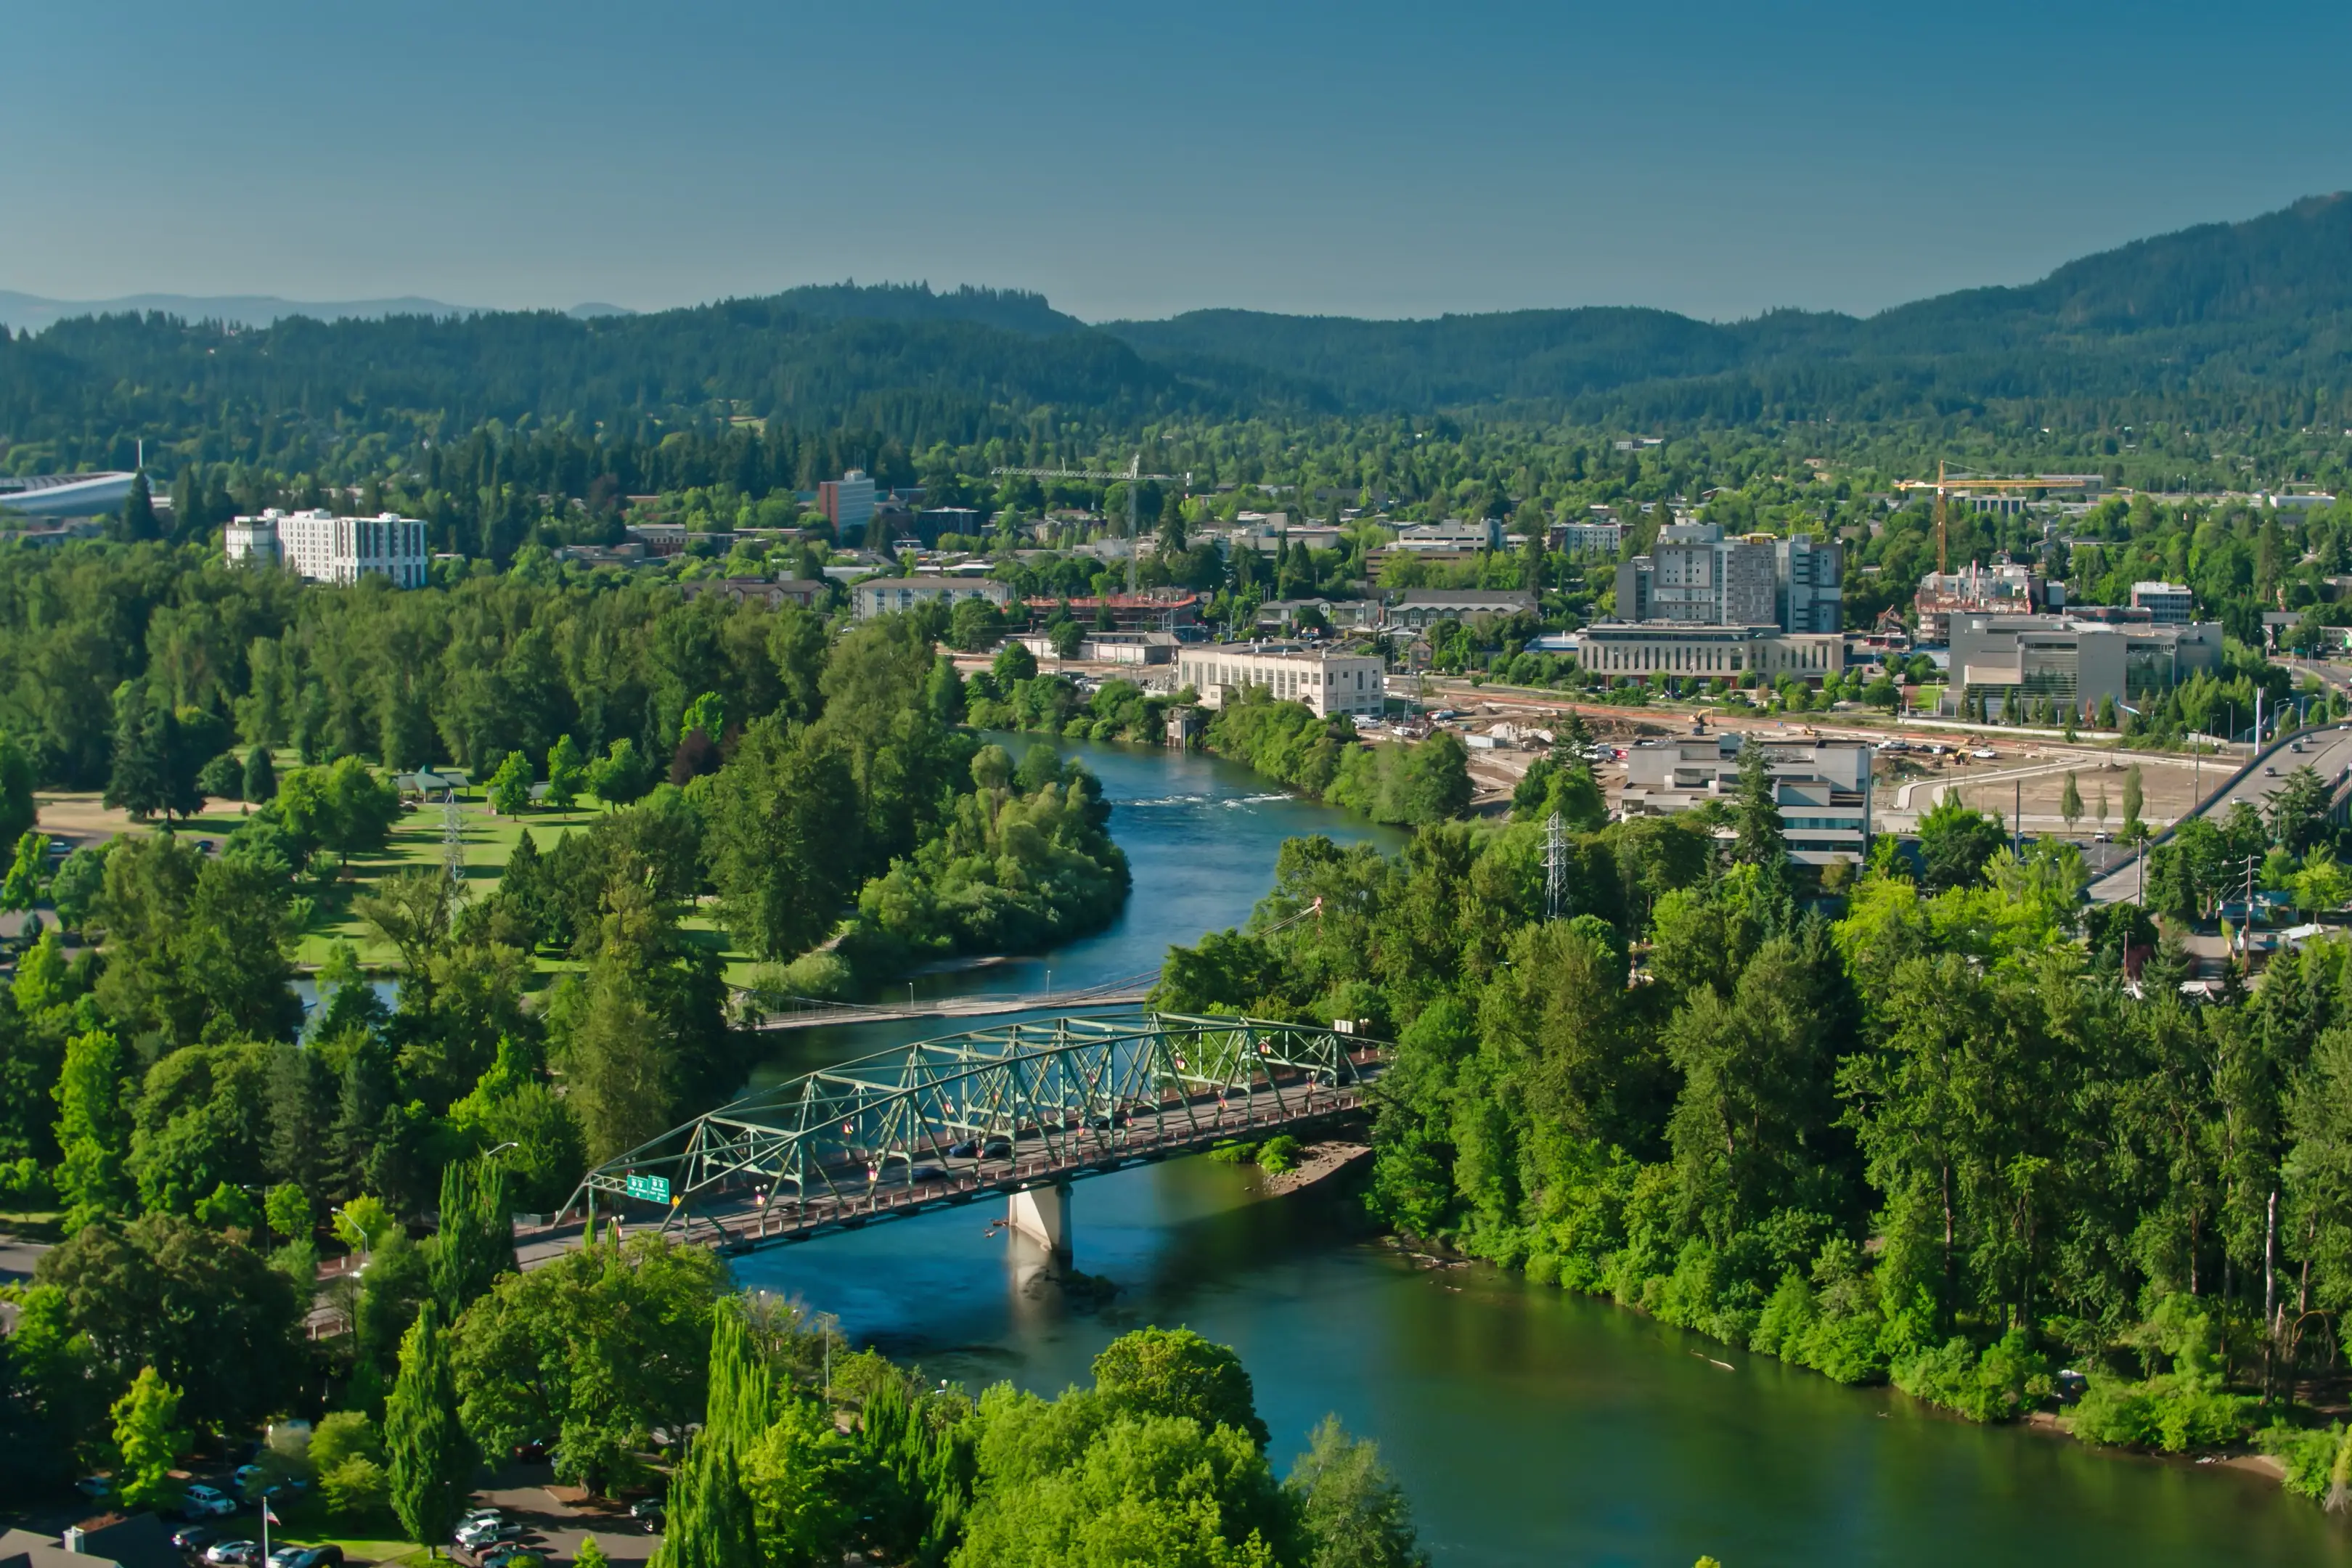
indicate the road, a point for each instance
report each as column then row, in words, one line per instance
column 2328, row 751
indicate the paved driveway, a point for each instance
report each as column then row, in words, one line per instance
column 556, row 1522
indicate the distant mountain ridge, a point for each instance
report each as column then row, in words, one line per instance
column 2272, row 293
column 32, row 312
column 2257, row 310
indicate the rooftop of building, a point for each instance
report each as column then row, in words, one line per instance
column 1317, row 652
column 1468, row 597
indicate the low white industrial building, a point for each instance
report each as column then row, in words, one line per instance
column 1108, row 647
column 1707, row 653
column 1326, row 682
column 325, row 548
column 885, row 595
column 1821, row 788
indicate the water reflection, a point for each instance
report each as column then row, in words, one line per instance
column 1530, row 1427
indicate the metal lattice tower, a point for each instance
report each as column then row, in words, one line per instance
column 453, row 839
column 1555, row 867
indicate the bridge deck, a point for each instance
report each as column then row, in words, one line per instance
column 744, row 1221
column 817, row 1015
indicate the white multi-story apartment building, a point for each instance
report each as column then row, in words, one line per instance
column 1821, row 788
column 887, row 595
column 325, row 548
column 2167, row 604
column 1328, row 683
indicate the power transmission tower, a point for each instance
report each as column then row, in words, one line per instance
column 453, row 841
column 1555, row 867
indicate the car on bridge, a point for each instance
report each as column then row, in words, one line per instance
column 994, row 1147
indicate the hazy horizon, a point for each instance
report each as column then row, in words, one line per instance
column 1373, row 160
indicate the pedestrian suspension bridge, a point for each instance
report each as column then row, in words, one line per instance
column 1019, row 1111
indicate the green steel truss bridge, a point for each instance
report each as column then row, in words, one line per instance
column 1020, row 1111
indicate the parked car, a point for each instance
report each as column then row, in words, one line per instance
column 515, row 1557
column 94, row 1485
column 195, row 1537
column 487, row 1532
column 649, row 1513
column 207, row 1502
column 233, row 1553
column 480, row 1516
column 288, row 1557
column 245, row 1474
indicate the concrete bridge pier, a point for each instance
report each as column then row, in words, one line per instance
column 1041, row 1215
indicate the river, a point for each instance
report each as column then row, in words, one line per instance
column 1528, row 1426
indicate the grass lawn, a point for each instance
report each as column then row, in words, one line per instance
column 486, row 839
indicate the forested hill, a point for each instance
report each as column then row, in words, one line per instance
column 2266, row 301
column 902, row 360
column 2220, row 323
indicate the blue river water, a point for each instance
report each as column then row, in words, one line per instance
column 1528, row 1426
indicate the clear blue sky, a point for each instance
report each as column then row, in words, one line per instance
column 1372, row 158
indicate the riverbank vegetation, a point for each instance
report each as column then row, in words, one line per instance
column 1400, row 784
column 1963, row 1135
column 801, row 1452
column 198, row 1141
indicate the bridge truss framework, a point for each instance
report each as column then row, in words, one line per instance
column 990, row 1111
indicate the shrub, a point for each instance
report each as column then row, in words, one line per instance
column 1234, row 1153
column 343, row 1435
column 1993, row 1384
column 24, row 1183
column 2175, row 1413
column 357, row 1488
column 822, row 976
column 2309, row 1455
column 1278, row 1153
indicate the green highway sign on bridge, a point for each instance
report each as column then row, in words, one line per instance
column 652, row 1189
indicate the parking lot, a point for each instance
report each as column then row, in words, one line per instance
column 540, row 1517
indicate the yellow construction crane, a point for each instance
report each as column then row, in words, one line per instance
column 1945, row 482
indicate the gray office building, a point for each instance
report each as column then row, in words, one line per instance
column 2073, row 662
column 1695, row 576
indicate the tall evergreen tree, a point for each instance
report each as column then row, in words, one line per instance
column 710, row 1523
column 1755, row 811
column 477, row 1240
column 260, row 777
column 431, row 1458
column 136, row 522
